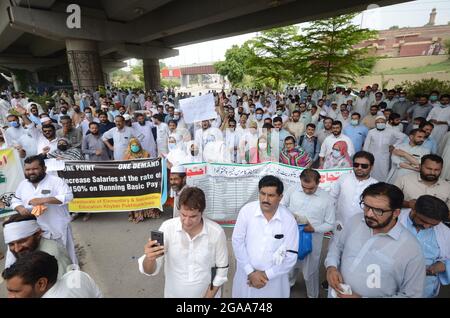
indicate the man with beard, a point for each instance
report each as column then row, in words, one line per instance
column 35, row 275
column 145, row 128
column 23, row 235
column 327, row 146
column 347, row 190
column 74, row 135
column 406, row 157
column 425, row 223
column 428, row 181
column 93, row 147
column 48, row 192
column 376, row 256
column 177, row 181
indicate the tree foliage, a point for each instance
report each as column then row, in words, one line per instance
column 271, row 57
column 234, row 65
column 424, row 86
column 329, row 53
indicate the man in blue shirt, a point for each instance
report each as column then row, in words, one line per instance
column 310, row 143
column 356, row 132
column 425, row 223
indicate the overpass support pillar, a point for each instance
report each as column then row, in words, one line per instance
column 84, row 64
column 185, row 80
column 152, row 77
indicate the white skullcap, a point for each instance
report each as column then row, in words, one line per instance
column 18, row 230
column 45, row 119
column 177, row 169
column 177, row 111
column 380, row 117
column 323, row 113
column 126, row 117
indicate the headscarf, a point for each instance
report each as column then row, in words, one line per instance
column 18, row 230
column 296, row 157
column 136, row 155
column 71, row 153
column 343, row 161
column 177, row 156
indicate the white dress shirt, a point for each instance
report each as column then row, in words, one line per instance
column 327, row 146
column 74, row 284
column 55, row 221
column 254, row 245
column 121, row 139
column 188, row 262
column 378, row 265
column 347, row 192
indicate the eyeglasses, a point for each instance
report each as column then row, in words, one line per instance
column 376, row 211
column 362, row 165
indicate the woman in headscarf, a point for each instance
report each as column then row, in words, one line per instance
column 292, row 155
column 177, row 155
column 65, row 151
column 264, row 150
column 339, row 157
column 135, row 151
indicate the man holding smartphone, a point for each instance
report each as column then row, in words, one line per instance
column 193, row 247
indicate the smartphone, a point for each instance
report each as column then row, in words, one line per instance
column 157, row 236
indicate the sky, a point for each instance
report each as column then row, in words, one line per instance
column 409, row 14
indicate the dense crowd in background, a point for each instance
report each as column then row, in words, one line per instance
column 399, row 149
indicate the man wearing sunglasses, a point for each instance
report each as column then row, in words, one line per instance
column 347, row 190
column 375, row 255
column 425, row 223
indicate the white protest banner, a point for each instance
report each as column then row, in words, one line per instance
column 11, row 174
column 228, row 187
column 198, row 108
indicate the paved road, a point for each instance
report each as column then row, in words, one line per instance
column 109, row 246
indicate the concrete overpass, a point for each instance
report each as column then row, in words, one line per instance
column 35, row 34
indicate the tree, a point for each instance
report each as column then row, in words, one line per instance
column 271, row 59
column 234, row 65
column 447, row 46
column 329, row 53
column 394, row 27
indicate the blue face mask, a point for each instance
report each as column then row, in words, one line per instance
column 336, row 153
column 433, row 98
column 14, row 124
column 402, row 99
column 135, row 148
column 259, row 116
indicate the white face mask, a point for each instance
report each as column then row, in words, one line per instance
column 263, row 146
column 172, row 146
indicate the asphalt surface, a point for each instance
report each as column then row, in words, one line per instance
column 108, row 247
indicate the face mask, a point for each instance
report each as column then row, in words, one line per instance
column 64, row 112
column 402, row 99
column 176, row 117
column 14, row 124
column 354, row 122
column 63, row 147
column 263, row 146
column 336, row 153
column 279, row 112
column 433, row 98
column 381, row 126
column 194, row 152
column 415, row 126
column 135, row 148
column 172, row 146
column 88, row 115
column 259, row 116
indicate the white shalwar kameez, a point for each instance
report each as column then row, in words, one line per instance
column 148, row 141
column 55, row 221
column 377, row 142
column 254, row 245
